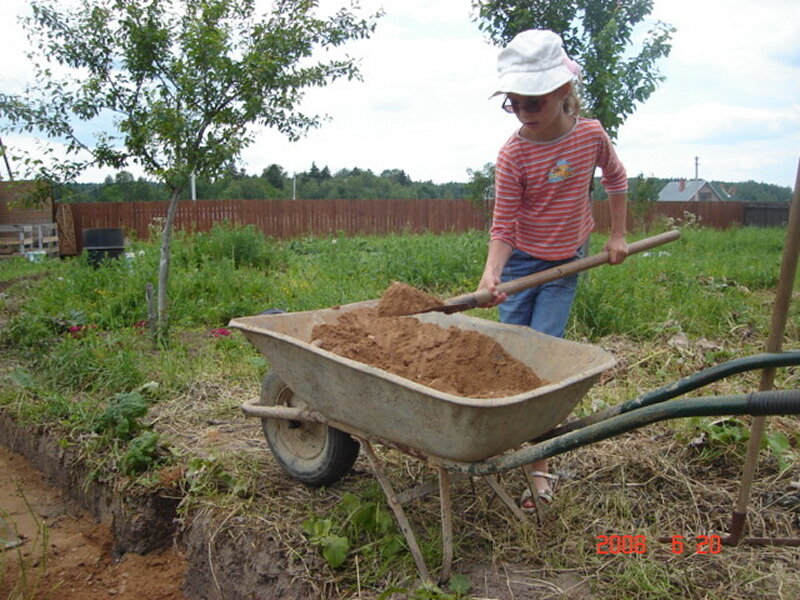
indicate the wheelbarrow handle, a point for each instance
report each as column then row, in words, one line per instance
column 515, row 286
column 773, row 402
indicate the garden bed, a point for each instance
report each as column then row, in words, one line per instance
column 212, row 489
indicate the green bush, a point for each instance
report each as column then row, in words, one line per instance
column 239, row 246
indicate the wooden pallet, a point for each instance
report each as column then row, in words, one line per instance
column 25, row 240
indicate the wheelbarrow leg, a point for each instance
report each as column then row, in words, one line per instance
column 399, row 513
column 504, row 497
column 447, row 524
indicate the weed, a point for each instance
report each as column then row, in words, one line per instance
column 458, row 584
column 729, row 436
column 362, row 521
column 334, row 547
column 30, row 566
column 208, row 477
column 144, row 452
column 122, row 417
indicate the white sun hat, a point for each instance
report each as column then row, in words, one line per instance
column 533, row 64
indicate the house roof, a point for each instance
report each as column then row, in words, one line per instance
column 720, row 191
column 672, row 191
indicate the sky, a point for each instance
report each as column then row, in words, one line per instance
column 729, row 109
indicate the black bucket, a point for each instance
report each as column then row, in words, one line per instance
column 102, row 244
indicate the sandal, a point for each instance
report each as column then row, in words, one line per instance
column 545, row 496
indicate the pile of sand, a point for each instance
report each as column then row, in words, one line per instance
column 452, row 360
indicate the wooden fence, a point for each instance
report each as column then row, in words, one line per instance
column 717, row 215
column 766, row 214
column 285, row 219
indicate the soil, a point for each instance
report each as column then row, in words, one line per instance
column 401, row 299
column 451, row 360
column 57, row 550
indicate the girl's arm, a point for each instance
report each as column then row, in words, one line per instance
column 496, row 259
column 616, row 246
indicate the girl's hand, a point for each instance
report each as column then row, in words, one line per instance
column 490, row 282
column 617, row 249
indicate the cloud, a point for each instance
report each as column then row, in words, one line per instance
column 713, row 123
column 732, row 143
column 731, row 94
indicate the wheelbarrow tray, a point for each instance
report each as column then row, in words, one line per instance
column 421, row 419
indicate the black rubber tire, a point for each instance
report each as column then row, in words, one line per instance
column 313, row 453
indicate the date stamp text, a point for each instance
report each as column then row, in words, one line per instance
column 679, row 544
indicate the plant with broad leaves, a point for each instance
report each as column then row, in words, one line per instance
column 334, row 547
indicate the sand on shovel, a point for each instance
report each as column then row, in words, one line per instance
column 459, row 362
column 401, row 299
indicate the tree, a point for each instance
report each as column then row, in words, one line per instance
column 174, row 85
column 596, row 33
column 750, row 191
column 642, row 195
column 275, row 176
column 480, row 189
column 396, row 175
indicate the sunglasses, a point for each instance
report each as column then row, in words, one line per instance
column 529, row 106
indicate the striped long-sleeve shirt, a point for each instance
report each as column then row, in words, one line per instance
column 542, row 201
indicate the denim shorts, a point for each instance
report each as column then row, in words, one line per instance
column 544, row 308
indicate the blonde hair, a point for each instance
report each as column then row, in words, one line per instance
column 572, row 101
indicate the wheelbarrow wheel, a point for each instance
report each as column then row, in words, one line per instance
column 313, row 453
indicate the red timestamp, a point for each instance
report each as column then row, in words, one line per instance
column 621, row 544
column 637, row 544
column 701, row 544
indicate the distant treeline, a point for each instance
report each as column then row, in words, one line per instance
column 275, row 183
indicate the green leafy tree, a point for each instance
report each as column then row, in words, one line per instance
column 598, row 34
column 751, row 191
column 396, row 175
column 480, row 189
column 275, row 176
column 642, row 195
column 173, row 85
column 247, row 188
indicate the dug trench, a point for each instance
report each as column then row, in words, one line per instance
column 135, row 545
column 71, row 539
column 88, row 541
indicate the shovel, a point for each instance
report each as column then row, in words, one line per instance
column 475, row 299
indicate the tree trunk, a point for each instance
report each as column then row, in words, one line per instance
column 162, row 322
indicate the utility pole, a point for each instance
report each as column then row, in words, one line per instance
column 696, row 166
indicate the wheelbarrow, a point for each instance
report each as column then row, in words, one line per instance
column 318, row 409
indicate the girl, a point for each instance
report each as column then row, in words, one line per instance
column 542, row 214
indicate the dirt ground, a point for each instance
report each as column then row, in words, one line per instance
column 56, row 550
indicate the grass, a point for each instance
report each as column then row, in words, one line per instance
column 74, row 348
column 23, row 567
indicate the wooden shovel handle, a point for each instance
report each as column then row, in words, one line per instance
column 582, row 264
